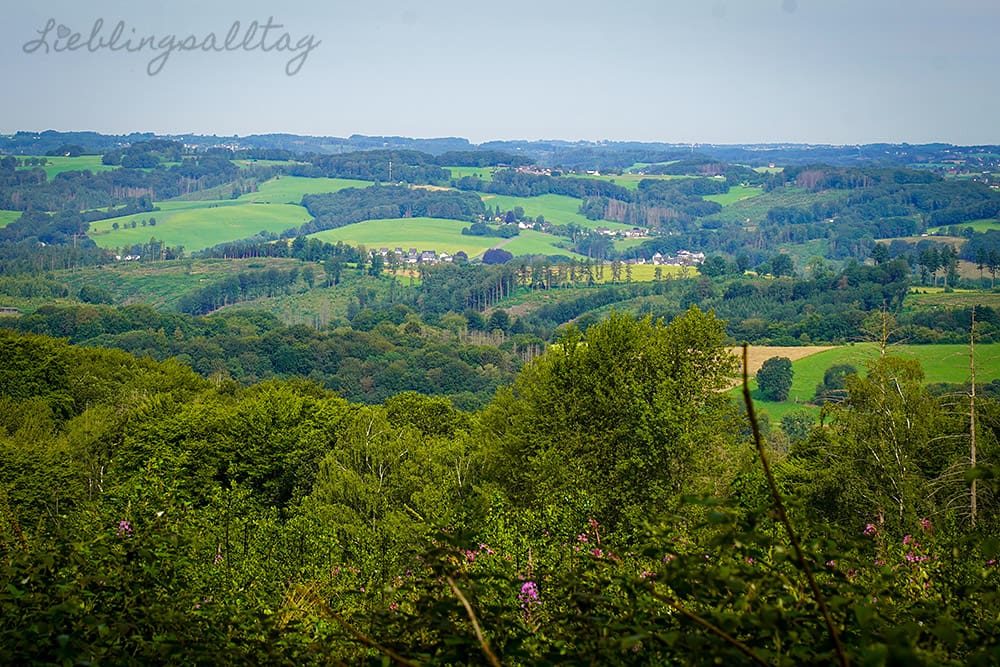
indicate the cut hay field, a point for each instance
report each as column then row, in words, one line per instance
column 941, row 363
column 57, row 164
column 7, row 217
column 735, row 194
column 199, row 225
column 557, row 209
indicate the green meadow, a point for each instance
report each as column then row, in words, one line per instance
column 629, row 181
column 936, row 297
column 736, row 193
column 57, row 165
column 941, row 363
column 291, row 189
column 439, row 235
column 483, row 173
column 199, row 225
column 984, row 225
column 7, row 217
column 557, row 209
column 436, row 234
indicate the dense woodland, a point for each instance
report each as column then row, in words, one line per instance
column 608, row 506
column 516, row 460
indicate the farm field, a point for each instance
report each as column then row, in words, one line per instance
column 57, row 164
column 557, row 209
column 628, row 181
column 436, row 234
column 984, row 225
column 934, row 297
column 736, row 193
column 7, row 217
column 291, row 189
column 199, row 225
column 483, row 173
column 941, row 363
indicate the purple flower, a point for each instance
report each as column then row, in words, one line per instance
column 218, row 557
column 925, row 525
column 869, row 530
column 582, row 537
column 528, row 594
column 124, row 528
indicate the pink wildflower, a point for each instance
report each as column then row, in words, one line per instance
column 869, row 530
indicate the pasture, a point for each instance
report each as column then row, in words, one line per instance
column 58, row 164
column 941, row 363
column 483, row 173
column 7, row 217
column 984, row 225
column 437, row 234
column 291, row 189
column 557, row 209
column 199, row 225
column 628, row 181
column 735, row 194
column 936, row 297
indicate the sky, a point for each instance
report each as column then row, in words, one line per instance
column 677, row 71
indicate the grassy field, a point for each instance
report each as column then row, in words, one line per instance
column 199, row 225
column 941, row 363
column 735, row 194
column 57, row 165
column 936, row 297
column 484, row 173
column 756, row 208
column 629, row 181
column 7, row 217
column 978, row 225
column 557, row 209
column 290, row 189
column 162, row 284
column 435, row 234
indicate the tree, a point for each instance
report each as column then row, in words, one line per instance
column 617, row 427
column 774, row 379
column 497, row 256
column 782, row 265
column 833, row 386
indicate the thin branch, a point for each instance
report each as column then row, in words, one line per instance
column 714, row 629
column 475, row 624
column 364, row 639
column 779, row 506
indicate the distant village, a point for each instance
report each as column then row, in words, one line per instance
column 399, row 257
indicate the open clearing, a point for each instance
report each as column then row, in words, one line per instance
column 199, row 227
column 557, row 209
column 941, row 363
column 437, row 234
column 58, row 164
column 7, row 217
column 291, row 189
column 736, row 193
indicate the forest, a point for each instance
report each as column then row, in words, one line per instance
column 608, row 505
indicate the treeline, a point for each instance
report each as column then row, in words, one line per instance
column 519, row 184
column 406, row 166
column 507, row 231
column 384, row 353
column 244, row 286
column 700, row 165
column 378, row 202
column 79, row 190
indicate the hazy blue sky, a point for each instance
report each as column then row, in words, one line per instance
column 720, row 71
